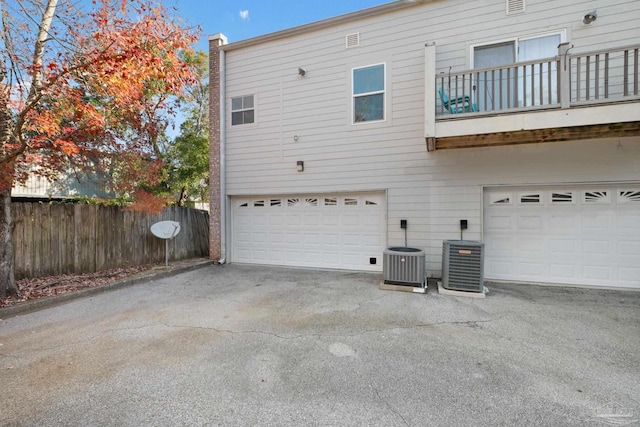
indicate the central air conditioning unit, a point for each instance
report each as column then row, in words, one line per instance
column 404, row 266
column 463, row 265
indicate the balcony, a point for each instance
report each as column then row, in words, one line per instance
column 567, row 97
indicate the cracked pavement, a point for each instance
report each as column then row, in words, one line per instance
column 247, row 345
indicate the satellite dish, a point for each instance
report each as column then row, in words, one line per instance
column 166, row 230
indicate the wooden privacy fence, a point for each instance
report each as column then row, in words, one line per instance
column 52, row 239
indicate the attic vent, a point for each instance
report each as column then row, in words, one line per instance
column 515, row 6
column 353, row 40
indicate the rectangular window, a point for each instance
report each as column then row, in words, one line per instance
column 512, row 86
column 242, row 111
column 368, row 93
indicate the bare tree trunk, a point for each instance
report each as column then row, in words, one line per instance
column 7, row 277
column 11, row 131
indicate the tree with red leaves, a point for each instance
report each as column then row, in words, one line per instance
column 88, row 91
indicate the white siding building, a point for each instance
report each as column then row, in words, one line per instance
column 325, row 136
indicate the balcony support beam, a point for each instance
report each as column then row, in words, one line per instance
column 429, row 91
column 538, row 136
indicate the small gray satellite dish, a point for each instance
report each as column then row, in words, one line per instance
column 166, row 230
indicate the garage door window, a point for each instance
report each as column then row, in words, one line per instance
column 596, row 197
column 562, row 197
column 501, row 199
column 530, row 198
column 628, row 196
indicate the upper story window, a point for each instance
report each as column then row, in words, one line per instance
column 242, row 110
column 368, row 93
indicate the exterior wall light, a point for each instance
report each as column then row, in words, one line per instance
column 590, row 17
column 300, row 165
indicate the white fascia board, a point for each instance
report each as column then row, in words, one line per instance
column 592, row 115
column 325, row 23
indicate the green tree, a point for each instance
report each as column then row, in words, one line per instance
column 73, row 83
column 188, row 156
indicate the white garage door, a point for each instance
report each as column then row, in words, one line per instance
column 585, row 235
column 326, row 231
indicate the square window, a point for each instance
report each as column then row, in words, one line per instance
column 368, row 93
column 242, row 110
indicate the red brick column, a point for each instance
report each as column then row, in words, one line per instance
column 215, row 244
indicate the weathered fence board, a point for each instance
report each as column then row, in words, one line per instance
column 54, row 239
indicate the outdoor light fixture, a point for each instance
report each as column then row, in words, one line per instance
column 302, row 72
column 300, row 165
column 590, row 17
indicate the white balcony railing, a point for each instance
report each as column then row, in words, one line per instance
column 560, row 82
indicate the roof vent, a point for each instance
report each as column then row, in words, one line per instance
column 353, row 40
column 515, row 6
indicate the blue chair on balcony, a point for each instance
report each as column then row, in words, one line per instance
column 461, row 104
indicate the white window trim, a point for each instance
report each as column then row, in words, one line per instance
column 255, row 110
column 515, row 40
column 383, row 92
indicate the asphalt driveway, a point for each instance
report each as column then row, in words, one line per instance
column 243, row 345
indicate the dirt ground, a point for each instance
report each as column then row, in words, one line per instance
column 45, row 287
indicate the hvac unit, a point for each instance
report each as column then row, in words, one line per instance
column 463, row 265
column 404, row 266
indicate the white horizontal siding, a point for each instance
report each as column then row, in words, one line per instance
column 433, row 191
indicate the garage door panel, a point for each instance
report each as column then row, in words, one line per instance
column 258, row 238
column 330, row 219
column 351, row 219
column 596, row 247
column 350, row 261
column 527, row 222
column 371, row 219
column 532, row 270
column 629, row 248
column 562, row 271
column 352, row 240
column 499, row 244
column 276, row 219
column 499, row 269
column 310, row 231
column 563, row 224
column 277, row 238
column 597, row 272
column 575, row 235
column 629, row 274
column 596, row 222
column 276, row 256
column 562, row 246
column 311, row 239
column 531, row 245
column 629, row 221
column 498, row 222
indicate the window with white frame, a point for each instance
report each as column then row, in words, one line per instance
column 494, row 91
column 368, row 84
column 242, row 110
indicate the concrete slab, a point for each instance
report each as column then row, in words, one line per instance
column 443, row 291
column 403, row 288
column 241, row 345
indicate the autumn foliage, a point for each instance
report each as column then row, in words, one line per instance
column 86, row 104
column 86, row 90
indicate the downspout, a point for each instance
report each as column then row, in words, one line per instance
column 223, row 161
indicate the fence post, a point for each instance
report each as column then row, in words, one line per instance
column 564, row 75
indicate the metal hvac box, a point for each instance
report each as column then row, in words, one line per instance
column 463, row 265
column 404, row 266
